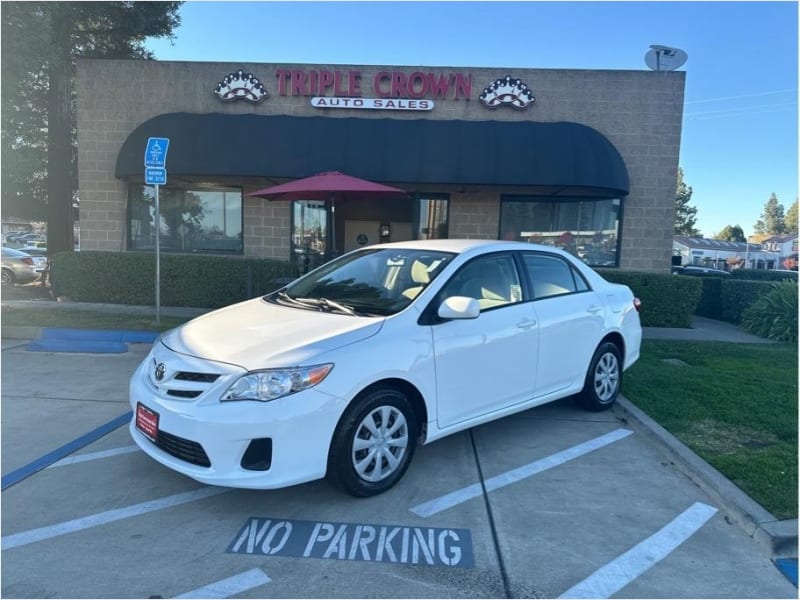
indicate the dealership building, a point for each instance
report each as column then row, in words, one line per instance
column 585, row 160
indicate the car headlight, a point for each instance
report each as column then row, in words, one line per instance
column 275, row 383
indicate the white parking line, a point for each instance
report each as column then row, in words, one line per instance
column 230, row 586
column 43, row 533
column 431, row 507
column 614, row 576
column 71, row 460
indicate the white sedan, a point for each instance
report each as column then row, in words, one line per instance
column 345, row 370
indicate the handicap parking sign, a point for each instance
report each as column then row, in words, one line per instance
column 155, row 155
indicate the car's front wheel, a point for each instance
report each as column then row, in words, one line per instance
column 603, row 379
column 373, row 443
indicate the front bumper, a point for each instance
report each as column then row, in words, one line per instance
column 299, row 426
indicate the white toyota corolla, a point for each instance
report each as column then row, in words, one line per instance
column 344, row 371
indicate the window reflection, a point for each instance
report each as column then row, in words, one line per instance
column 588, row 229
column 190, row 220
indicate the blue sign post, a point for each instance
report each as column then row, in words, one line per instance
column 155, row 173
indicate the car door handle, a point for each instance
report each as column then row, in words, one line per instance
column 594, row 309
column 526, row 324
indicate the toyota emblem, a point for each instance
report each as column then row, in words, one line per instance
column 161, row 368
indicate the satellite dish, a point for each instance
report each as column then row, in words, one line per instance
column 664, row 58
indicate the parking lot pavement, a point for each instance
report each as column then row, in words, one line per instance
column 553, row 501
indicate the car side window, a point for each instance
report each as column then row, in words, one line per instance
column 492, row 280
column 551, row 276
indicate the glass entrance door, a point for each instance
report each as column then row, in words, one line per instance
column 309, row 235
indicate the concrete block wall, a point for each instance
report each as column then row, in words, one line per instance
column 640, row 112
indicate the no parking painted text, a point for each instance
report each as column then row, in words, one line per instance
column 352, row 541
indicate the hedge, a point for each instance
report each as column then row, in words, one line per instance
column 710, row 304
column 186, row 280
column 763, row 275
column 667, row 300
column 738, row 294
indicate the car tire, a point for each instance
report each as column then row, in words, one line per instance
column 374, row 443
column 7, row 277
column 603, row 379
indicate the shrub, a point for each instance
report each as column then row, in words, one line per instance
column 774, row 315
column 186, row 280
column 667, row 300
column 738, row 294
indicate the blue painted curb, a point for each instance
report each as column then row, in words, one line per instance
column 99, row 335
column 96, row 341
column 788, row 566
column 89, row 346
column 48, row 459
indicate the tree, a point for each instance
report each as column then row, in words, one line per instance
column 772, row 218
column 791, row 218
column 40, row 41
column 685, row 215
column 731, row 233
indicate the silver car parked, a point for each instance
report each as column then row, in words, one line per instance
column 21, row 267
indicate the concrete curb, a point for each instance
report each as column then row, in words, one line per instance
column 780, row 537
column 20, row 332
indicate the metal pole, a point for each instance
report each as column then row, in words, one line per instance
column 158, row 260
column 333, row 227
column 746, row 252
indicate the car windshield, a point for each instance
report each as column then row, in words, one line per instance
column 378, row 281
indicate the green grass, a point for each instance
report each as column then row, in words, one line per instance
column 86, row 319
column 735, row 405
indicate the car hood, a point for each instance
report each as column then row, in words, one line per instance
column 257, row 334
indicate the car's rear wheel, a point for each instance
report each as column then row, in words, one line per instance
column 373, row 443
column 603, row 379
column 7, row 277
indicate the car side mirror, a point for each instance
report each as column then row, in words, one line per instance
column 459, row 307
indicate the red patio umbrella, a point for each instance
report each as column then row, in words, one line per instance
column 327, row 186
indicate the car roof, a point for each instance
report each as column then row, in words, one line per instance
column 460, row 246
column 14, row 252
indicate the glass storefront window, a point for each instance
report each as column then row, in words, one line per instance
column 208, row 221
column 587, row 228
column 309, row 234
column 432, row 219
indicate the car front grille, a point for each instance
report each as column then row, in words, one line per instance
column 187, row 450
column 186, row 385
column 198, row 377
column 184, row 393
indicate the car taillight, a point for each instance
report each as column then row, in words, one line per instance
column 28, row 261
column 637, row 304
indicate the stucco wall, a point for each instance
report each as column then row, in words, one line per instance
column 640, row 112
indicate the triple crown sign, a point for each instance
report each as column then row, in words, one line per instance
column 155, row 161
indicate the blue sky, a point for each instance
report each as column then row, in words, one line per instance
column 740, row 125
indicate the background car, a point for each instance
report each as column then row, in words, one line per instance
column 697, row 270
column 21, row 267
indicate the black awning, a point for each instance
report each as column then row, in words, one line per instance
column 565, row 156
